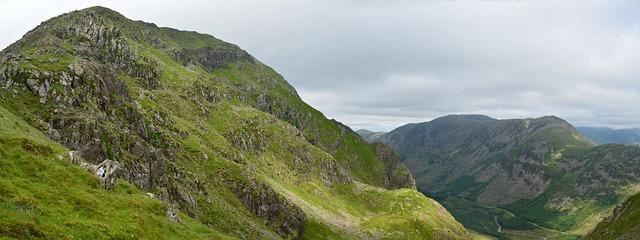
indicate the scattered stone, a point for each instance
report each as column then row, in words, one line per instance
column 33, row 85
column 106, row 170
column 172, row 214
column 42, row 91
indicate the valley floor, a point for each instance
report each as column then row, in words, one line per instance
column 487, row 222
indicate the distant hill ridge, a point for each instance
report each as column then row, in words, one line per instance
column 604, row 135
column 543, row 170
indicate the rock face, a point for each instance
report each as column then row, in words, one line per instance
column 280, row 214
column 196, row 122
column 524, row 165
column 398, row 175
column 211, row 58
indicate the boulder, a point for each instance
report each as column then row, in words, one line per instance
column 172, row 214
column 33, row 85
column 106, row 171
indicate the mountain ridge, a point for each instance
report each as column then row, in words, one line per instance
column 203, row 126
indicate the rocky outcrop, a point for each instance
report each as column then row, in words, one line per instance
column 107, row 171
column 210, row 58
column 279, row 213
column 398, row 175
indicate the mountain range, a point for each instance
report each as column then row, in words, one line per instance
column 515, row 177
column 112, row 128
column 118, row 129
column 604, row 135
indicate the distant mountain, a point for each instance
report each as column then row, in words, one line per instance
column 603, row 135
column 118, row 129
column 370, row 136
column 523, row 172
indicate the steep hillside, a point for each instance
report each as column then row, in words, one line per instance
column 203, row 126
column 43, row 195
column 542, row 171
column 624, row 223
column 602, row 135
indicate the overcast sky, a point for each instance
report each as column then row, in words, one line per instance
column 379, row 64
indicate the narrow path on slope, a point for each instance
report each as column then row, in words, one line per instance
column 495, row 218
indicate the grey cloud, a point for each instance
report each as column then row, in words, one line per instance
column 380, row 64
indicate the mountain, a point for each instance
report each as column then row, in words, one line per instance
column 602, row 135
column 370, row 136
column 113, row 128
column 504, row 176
column 624, row 223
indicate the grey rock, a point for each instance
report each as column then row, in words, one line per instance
column 8, row 83
column 172, row 214
column 42, row 91
column 106, row 171
column 33, row 85
column 65, row 80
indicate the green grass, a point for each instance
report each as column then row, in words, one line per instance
column 362, row 211
column 43, row 196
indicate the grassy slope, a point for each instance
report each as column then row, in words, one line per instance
column 43, row 196
column 341, row 211
column 623, row 224
column 216, row 149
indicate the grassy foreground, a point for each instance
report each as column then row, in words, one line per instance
column 44, row 196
